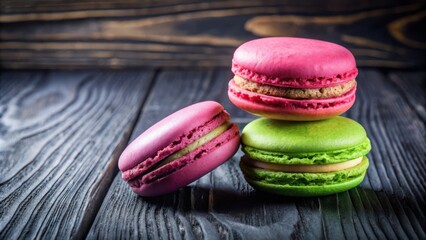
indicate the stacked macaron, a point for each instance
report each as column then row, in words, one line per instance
column 301, row 147
column 304, row 158
column 293, row 79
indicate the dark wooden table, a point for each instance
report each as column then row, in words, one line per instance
column 64, row 123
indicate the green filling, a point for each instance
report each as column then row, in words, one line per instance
column 196, row 144
column 304, row 179
column 309, row 158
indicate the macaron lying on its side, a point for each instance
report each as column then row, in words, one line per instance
column 304, row 158
column 293, row 79
column 179, row 149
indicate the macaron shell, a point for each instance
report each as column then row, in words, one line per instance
column 190, row 172
column 166, row 131
column 294, row 62
column 336, row 133
column 306, row 191
column 289, row 109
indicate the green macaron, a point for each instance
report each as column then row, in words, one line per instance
column 304, row 158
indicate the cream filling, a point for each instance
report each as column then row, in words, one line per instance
column 302, row 168
column 294, row 93
column 196, row 144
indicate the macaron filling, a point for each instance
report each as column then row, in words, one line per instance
column 287, row 103
column 294, row 93
column 304, row 179
column 196, row 144
column 301, row 168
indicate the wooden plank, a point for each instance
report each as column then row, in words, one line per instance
column 394, row 188
column 167, row 6
column 414, row 96
column 60, row 134
column 388, row 204
column 189, row 33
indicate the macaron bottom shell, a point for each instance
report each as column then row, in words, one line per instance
column 289, row 109
column 305, row 184
column 306, row 191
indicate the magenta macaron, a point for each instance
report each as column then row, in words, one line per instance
column 179, row 149
column 293, row 78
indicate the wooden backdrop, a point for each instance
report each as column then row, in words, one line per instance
column 187, row 33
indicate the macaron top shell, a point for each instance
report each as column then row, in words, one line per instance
column 303, row 137
column 166, row 131
column 294, row 62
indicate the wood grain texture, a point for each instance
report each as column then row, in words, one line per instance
column 394, row 189
column 76, row 34
column 389, row 204
column 59, row 136
column 19, row 7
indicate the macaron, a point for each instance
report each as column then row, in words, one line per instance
column 314, row 158
column 179, row 149
column 293, row 79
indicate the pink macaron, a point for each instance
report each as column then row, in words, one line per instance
column 293, row 78
column 179, row 149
